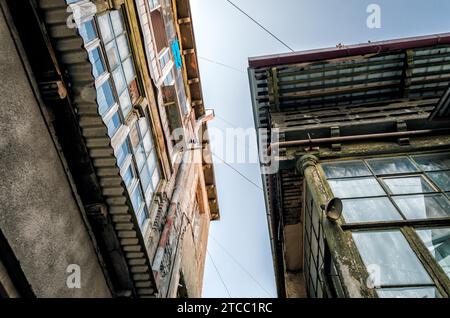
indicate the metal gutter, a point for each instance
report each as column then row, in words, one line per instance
column 347, row 51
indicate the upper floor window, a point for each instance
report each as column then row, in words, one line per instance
column 153, row 4
column 398, row 211
column 109, row 52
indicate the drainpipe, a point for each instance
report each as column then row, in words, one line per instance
column 316, row 141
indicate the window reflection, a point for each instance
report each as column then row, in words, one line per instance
column 408, row 185
column 409, row 292
column 423, row 206
column 346, row 169
column 438, row 243
column 389, row 252
column 369, row 210
column 355, row 188
column 433, row 162
column 391, row 165
column 105, row 98
column 441, row 179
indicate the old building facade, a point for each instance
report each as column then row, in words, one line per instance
column 359, row 205
column 106, row 166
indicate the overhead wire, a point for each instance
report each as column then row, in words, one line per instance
column 260, row 25
column 218, row 273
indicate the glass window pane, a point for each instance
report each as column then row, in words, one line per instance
column 148, row 144
column 409, row 292
column 169, row 80
column 391, row 255
column 438, row 243
column 145, row 177
column 105, row 98
column 355, row 188
column 346, row 169
column 113, row 124
column 125, row 102
column 97, row 64
column 142, row 217
column 140, row 156
column 119, row 80
column 433, row 162
column 423, row 206
column 87, row 31
column 122, row 44
column 155, row 178
column 441, row 179
column 134, row 136
column 128, row 176
column 406, row 185
column 122, row 153
column 151, row 161
column 112, row 54
column 116, row 21
column 143, row 125
column 369, row 210
column 136, row 198
column 391, row 165
column 105, row 28
column 129, row 70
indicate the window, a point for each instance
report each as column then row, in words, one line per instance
column 383, row 201
column 118, row 54
column 169, row 80
column 437, row 240
column 164, row 59
column 391, row 257
column 153, row 4
column 106, row 41
column 146, row 158
column 87, row 31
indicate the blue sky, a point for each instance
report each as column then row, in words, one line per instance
column 239, row 244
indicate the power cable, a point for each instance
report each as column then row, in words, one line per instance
column 237, row 171
column 221, row 64
column 240, row 265
column 218, row 274
column 260, row 25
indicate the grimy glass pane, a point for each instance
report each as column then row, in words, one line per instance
column 441, row 179
column 391, row 165
column 356, row 188
column 112, row 54
column 423, row 206
column 389, row 257
column 409, row 292
column 116, row 21
column 122, row 44
column 433, row 162
column 369, row 210
column 438, row 243
column 407, row 185
column 346, row 169
column 105, row 28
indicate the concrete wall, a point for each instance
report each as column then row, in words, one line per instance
column 195, row 244
column 38, row 212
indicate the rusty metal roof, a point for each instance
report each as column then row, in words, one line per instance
column 442, row 110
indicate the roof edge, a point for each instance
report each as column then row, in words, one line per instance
column 351, row 50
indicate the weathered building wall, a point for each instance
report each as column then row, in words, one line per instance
column 39, row 214
column 195, row 239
